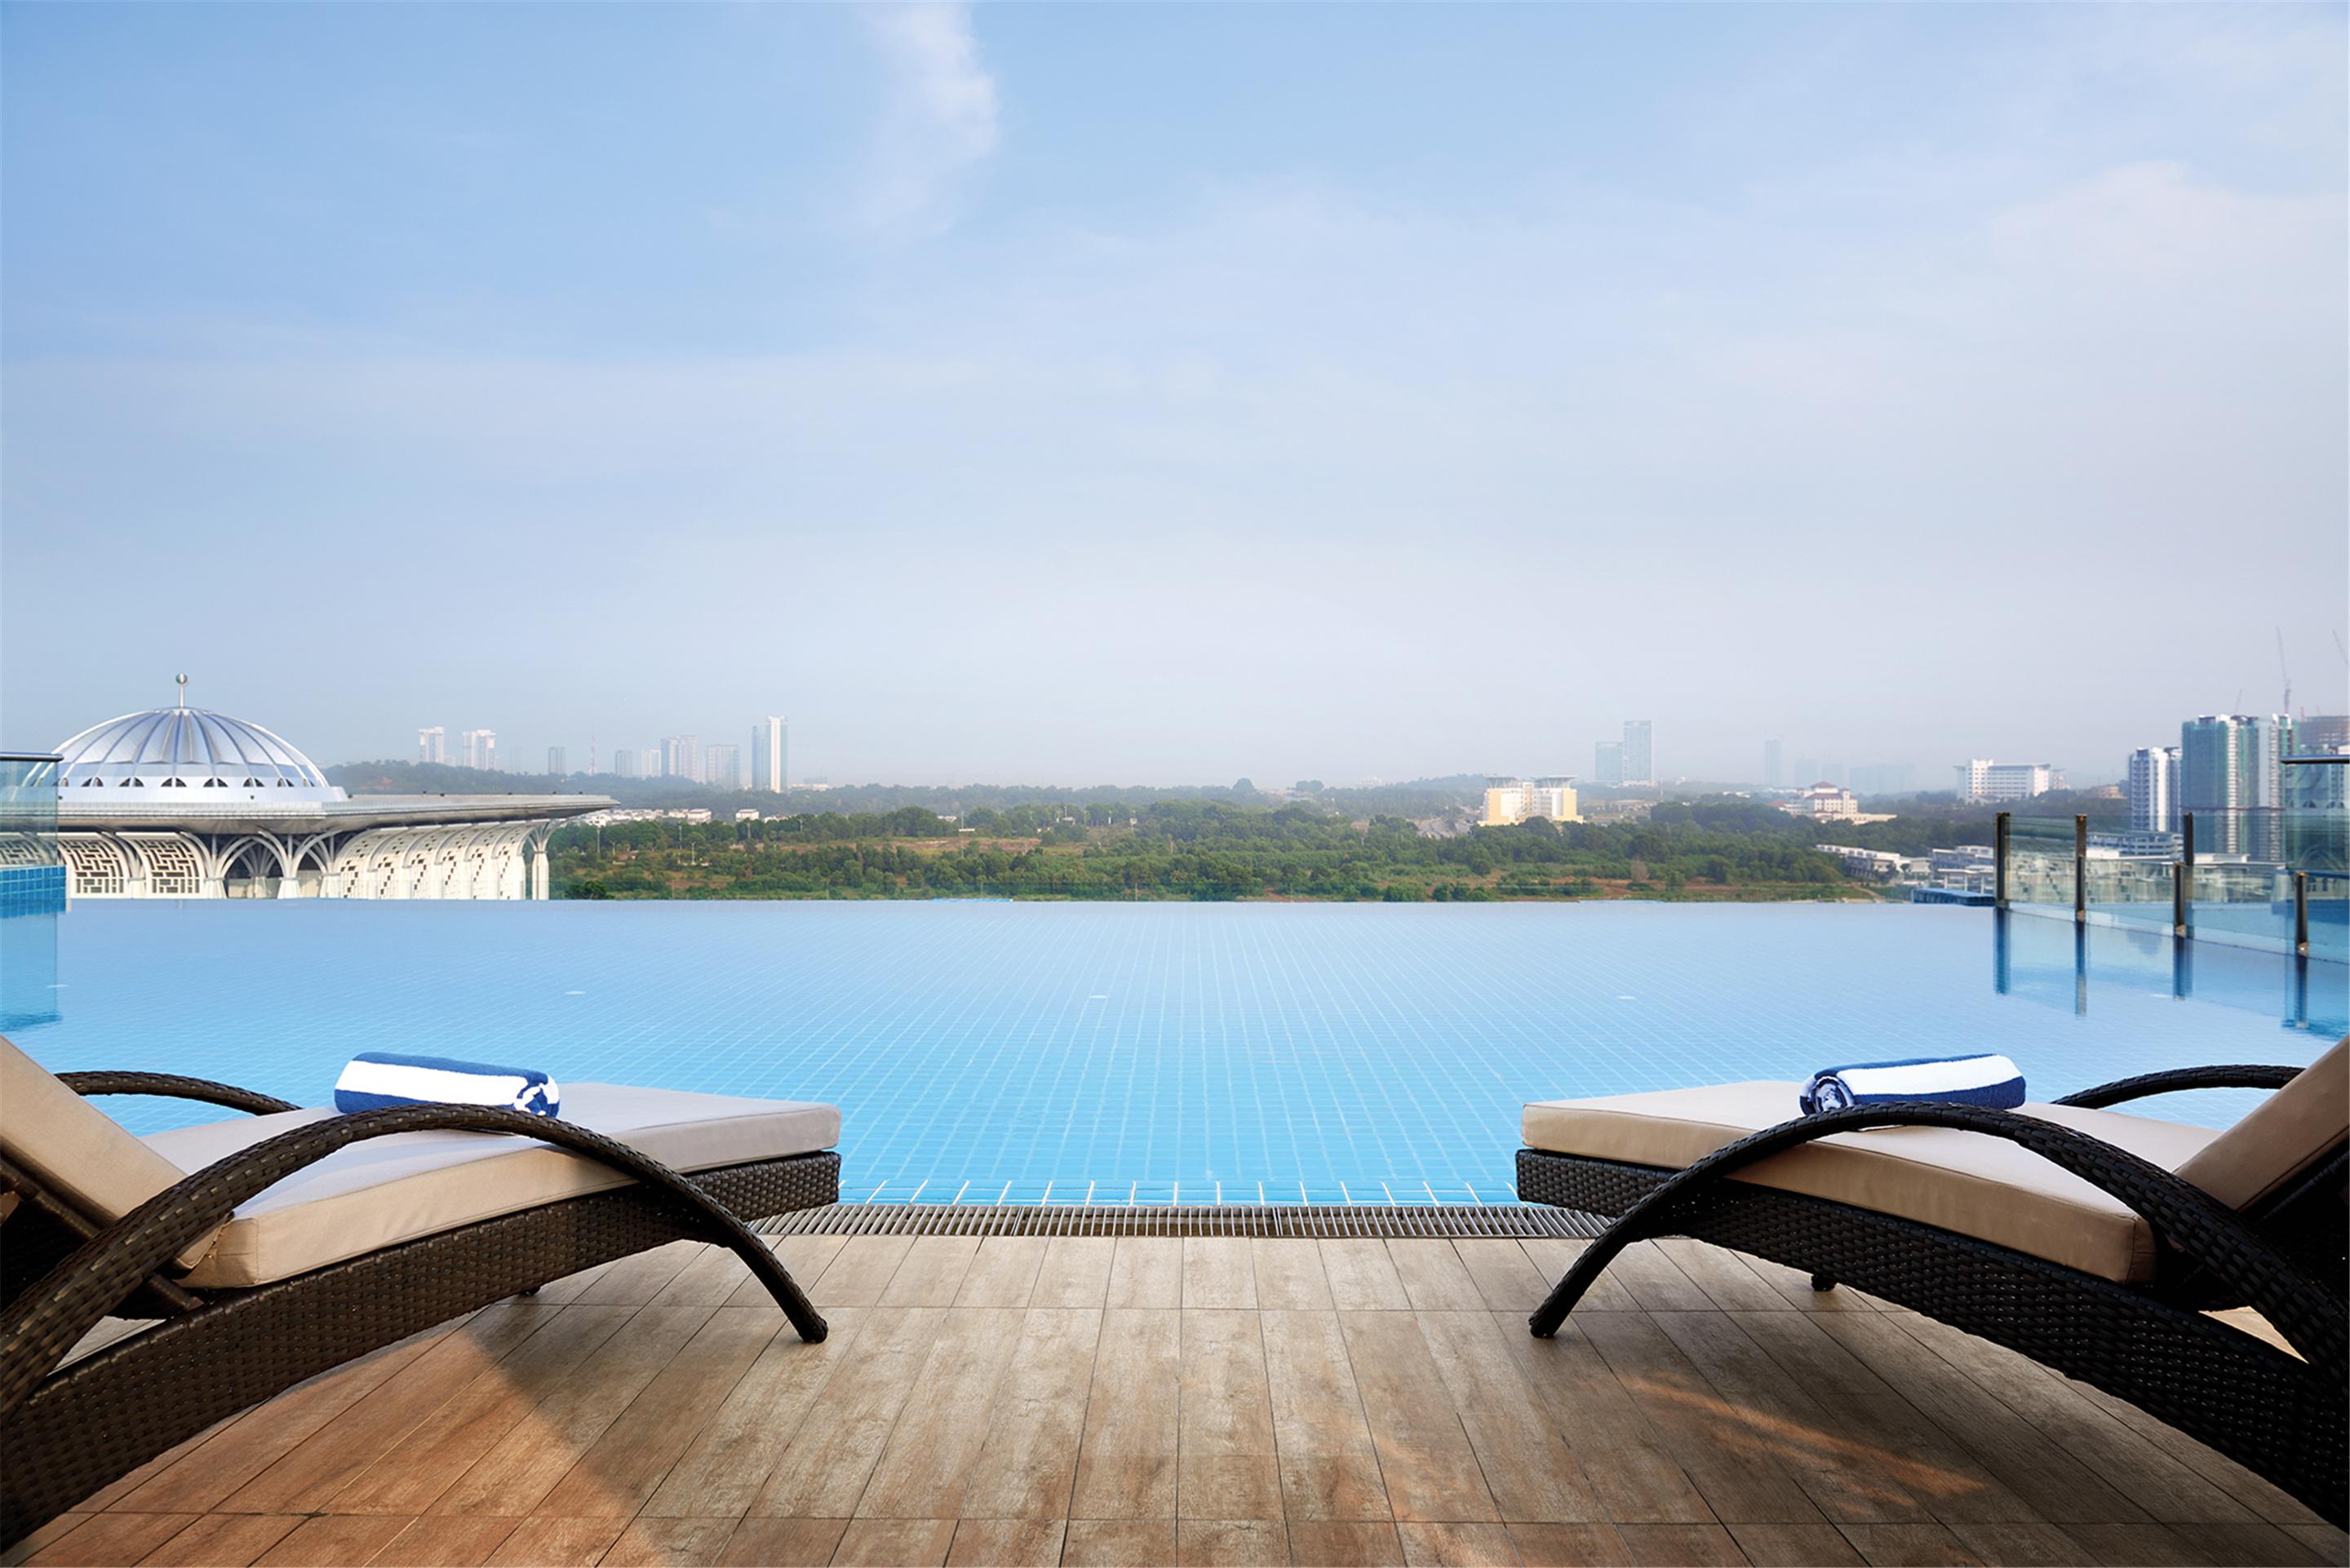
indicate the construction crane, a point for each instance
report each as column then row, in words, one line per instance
column 2286, row 706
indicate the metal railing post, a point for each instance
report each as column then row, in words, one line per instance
column 2186, row 901
column 1999, row 861
column 2178, row 899
column 2080, row 870
column 2300, row 913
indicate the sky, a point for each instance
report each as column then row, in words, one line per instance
column 1160, row 393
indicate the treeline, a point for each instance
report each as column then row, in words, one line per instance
column 1196, row 850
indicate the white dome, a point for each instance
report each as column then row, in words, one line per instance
column 186, row 754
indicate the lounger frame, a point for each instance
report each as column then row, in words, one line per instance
column 2282, row 1415
column 67, row 1431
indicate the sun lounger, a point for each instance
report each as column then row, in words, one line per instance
column 280, row 1244
column 2093, row 1241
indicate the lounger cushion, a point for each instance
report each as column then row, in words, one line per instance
column 73, row 1148
column 1982, row 1187
column 391, row 1189
column 2284, row 1136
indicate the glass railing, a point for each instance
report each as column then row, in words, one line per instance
column 2274, row 877
column 32, row 890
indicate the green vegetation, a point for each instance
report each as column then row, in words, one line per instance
column 1199, row 849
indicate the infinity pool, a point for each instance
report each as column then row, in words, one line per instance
column 1008, row 1052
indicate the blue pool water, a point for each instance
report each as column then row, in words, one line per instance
column 1003, row 1051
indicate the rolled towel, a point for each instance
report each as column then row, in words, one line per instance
column 1989, row 1081
column 374, row 1079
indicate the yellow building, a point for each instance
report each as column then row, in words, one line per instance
column 1508, row 800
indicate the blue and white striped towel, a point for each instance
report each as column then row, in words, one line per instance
column 374, row 1079
column 1989, row 1080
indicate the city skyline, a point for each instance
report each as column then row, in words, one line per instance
column 1085, row 395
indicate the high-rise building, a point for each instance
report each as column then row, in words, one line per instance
column 771, row 754
column 2323, row 735
column 1883, row 778
column 2152, row 786
column 624, row 762
column 432, row 744
column 1639, row 764
column 1773, row 774
column 1608, row 762
column 1980, row 778
column 682, row 758
column 721, row 766
column 1508, row 800
column 2230, row 776
column 554, row 767
column 481, row 749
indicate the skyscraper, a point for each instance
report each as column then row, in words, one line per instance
column 624, row 762
column 721, row 766
column 554, row 767
column 2152, row 786
column 432, row 744
column 771, row 754
column 651, row 759
column 682, row 758
column 1774, row 773
column 481, row 749
column 1640, row 764
column 1608, row 762
column 2218, row 759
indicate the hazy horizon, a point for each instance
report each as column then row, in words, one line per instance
column 1169, row 395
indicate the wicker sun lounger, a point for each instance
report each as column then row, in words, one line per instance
column 2092, row 1240
column 277, row 1246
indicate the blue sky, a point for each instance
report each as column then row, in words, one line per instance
column 1168, row 393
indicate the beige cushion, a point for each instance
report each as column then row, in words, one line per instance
column 1982, row 1187
column 2285, row 1134
column 76, row 1150
column 395, row 1189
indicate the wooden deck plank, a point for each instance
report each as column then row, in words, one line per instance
column 1075, row 1273
column 1551, row 1258
column 444, row 1541
column 1655, row 1281
column 1231, row 1542
column 526, row 1464
column 1126, row 1465
column 1119, row 1543
column 1146, row 1272
column 1457, row 1545
column 1848, row 1480
column 783, row 1542
column 1699, row 1426
column 1027, row 1464
column 552, row 1543
column 337, row 1539
column 620, row 1470
column 1362, row 1277
column 1329, row 1468
column 895, row 1542
column 222, row 1540
column 1626, row 1459
column 1004, row 1273
column 823, row 1469
column 1528, row 1467
column 730, row 1458
column 1570, row 1545
column 860, row 1272
column 309, row 1476
column 1795, row 1545
column 244, row 1448
column 636, row 1279
column 1723, row 1276
column 805, row 1258
column 2149, row 1475
column 1430, row 1470
column 1681, row 1546
column 924, row 1465
column 1504, row 1276
column 669, row 1542
column 1434, row 1277
column 1909, row 1546
column 2263, row 1497
column 1007, row 1543
column 710, row 1279
column 1344, row 1543
column 1225, row 1467
column 932, row 1272
column 1218, row 1272
column 1289, row 1276
column 412, row 1475
column 2056, row 1487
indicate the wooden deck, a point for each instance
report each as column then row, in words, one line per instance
column 1197, row 1401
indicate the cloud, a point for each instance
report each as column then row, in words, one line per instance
column 938, row 119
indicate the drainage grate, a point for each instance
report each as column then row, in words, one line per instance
column 1435, row 1221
